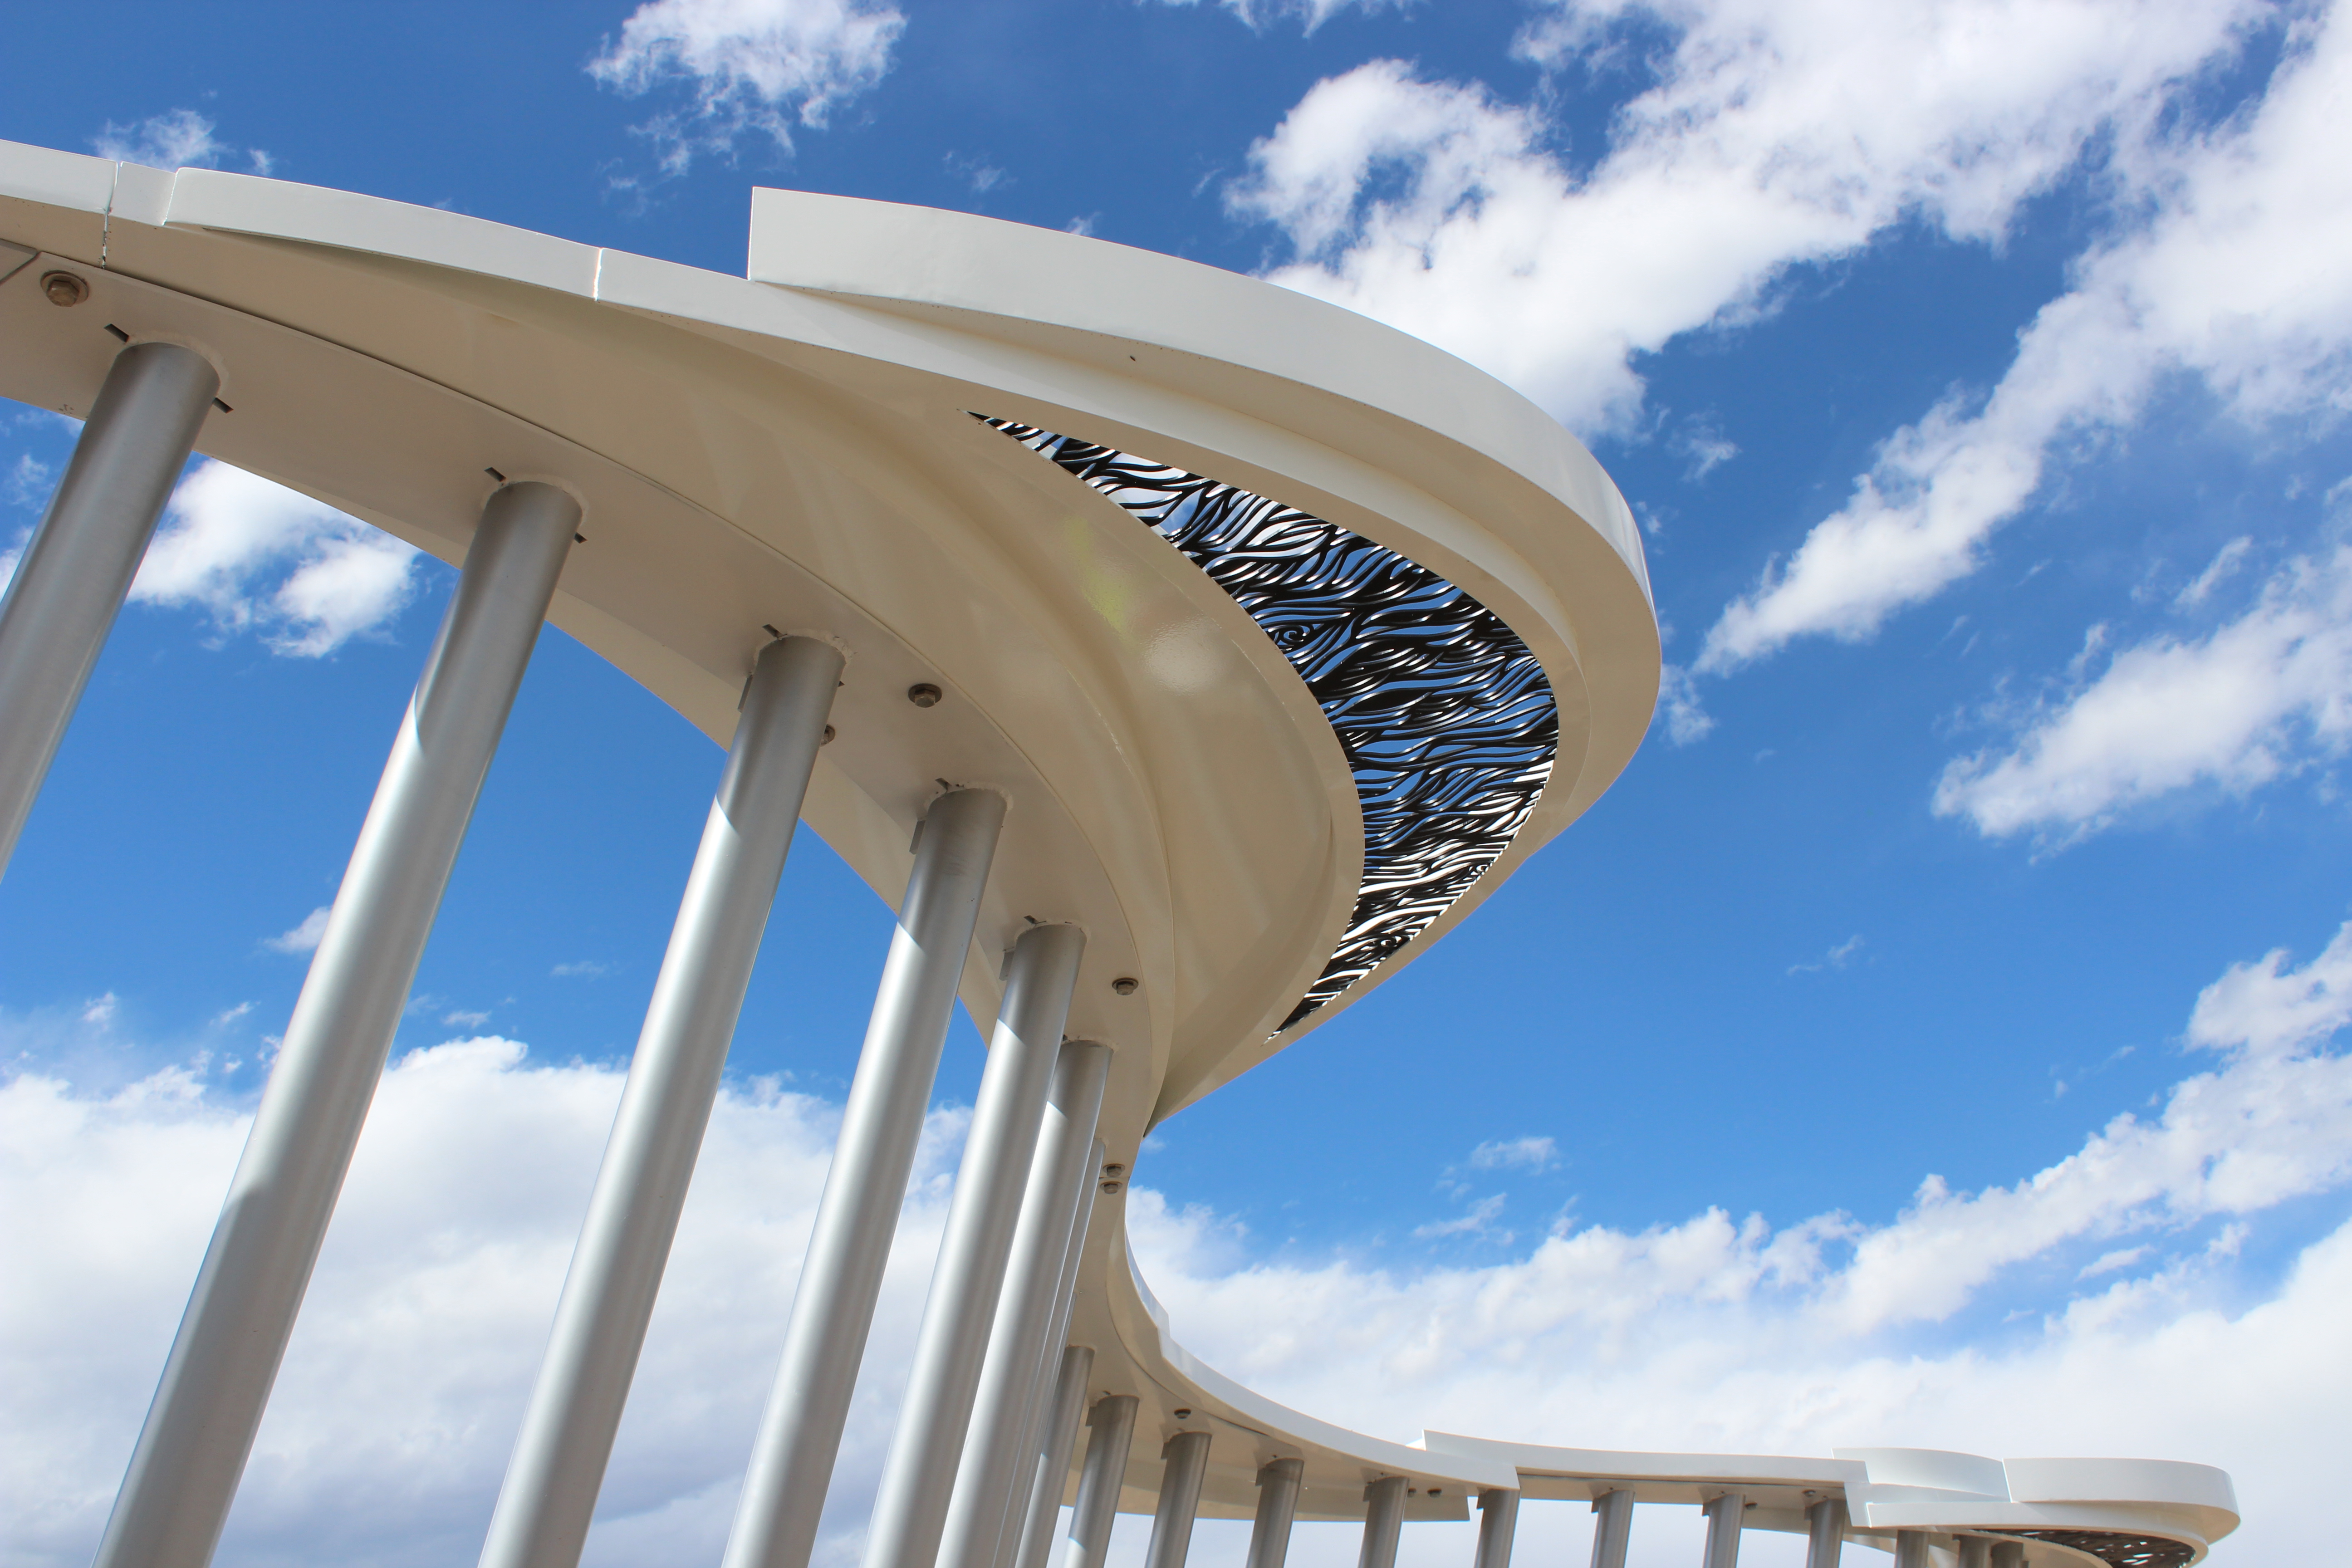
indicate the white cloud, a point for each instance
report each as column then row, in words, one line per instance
column 2258, row 698
column 1776, row 133
column 178, row 139
column 1260, row 15
column 2232, row 280
column 404, row 1383
column 260, row 557
column 406, row 1377
column 305, row 937
column 1837, row 957
column 586, row 968
column 1529, row 1153
column 1478, row 1220
column 751, row 66
column 1679, row 703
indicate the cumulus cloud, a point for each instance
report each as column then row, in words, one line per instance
column 1774, row 134
column 259, row 557
column 1260, row 15
column 306, row 935
column 405, row 1380
column 748, row 66
column 1529, row 1153
column 2135, row 1329
column 2258, row 698
column 178, row 139
column 2229, row 280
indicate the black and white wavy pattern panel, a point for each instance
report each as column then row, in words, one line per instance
column 1443, row 713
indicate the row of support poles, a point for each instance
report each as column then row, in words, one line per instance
column 910, row 1508
column 988, row 1497
column 75, row 573
column 1498, row 1521
column 1277, row 1508
column 1383, row 1522
column 192, row 1450
column 1110, row 1434
column 1027, row 1535
column 1824, row 1533
column 1724, row 1514
column 1612, row 1528
column 841, row 1278
column 1186, row 1459
column 1069, row 1402
column 549, row 1495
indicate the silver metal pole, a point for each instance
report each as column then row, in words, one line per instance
column 1824, row 1533
column 1498, row 1508
column 1187, row 1457
column 184, row 1470
column 910, row 1506
column 1613, row 1529
column 1277, row 1506
column 1911, row 1548
column 1026, row 1540
column 1383, row 1522
column 1111, row 1433
column 1053, row 1470
column 833, row 1312
column 1973, row 1552
column 549, row 1495
column 2008, row 1554
column 1725, row 1515
column 72, row 578
column 1061, row 1170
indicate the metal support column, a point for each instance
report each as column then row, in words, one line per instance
column 1110, row 1434
column 1972, row 1551
column 549, row 1495
column 1911, row 1548
column 1383, row 1522
column 1025, row 1539
column 910, row 1506
column 1613, row 1529
column 75, row 573
column 1824, row 1533
column 184, row 1470
column 2008, row 1554
column 1187, row 1457
column 1725, row 1515
column 1061, row 1173
column 1498, row 1508
column 1062, row 1415
column 1278, row 1507
column 841, row 1278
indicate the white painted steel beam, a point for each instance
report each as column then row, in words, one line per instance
column 1383, row 1522
column 77, row 568
column 550, row 1494
column 1111, row 1435
column 1278, row 1507
column 841, row 1279
column 185, row 1471
column 910, row 1507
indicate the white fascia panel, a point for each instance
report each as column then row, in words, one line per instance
column 280, row 209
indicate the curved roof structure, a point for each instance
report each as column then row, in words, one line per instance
column 1286, row 635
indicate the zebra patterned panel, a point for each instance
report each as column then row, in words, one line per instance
column 1445, row 717
column 2111, row 1547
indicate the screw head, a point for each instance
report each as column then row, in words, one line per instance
column 923, row 694
column 1112, row 1185
column 1114, row 1169
column 1125, row 985
column 828, row 736
column 1184, row 1414
column 64, row 289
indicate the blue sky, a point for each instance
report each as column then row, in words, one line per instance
column 1978, row 373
